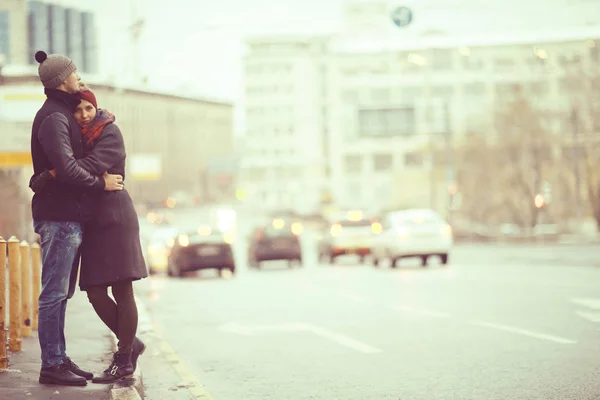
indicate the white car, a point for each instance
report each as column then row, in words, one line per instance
column 412, row 233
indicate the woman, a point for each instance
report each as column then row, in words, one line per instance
column 111, row 254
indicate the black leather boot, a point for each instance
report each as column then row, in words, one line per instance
column 119, row 368
column 74, row 368
column 60, row 375
column 138, row 349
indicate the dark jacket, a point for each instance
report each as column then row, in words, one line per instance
column 55, row 144
column 111, row 251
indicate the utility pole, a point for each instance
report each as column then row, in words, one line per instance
column 136, row 29
column 575, row 155
column 450, row 175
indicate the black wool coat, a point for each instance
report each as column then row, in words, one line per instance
column 111, row 251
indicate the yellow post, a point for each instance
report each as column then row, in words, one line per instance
column 14, row 295
column 36, row 282
column 25, row 290
column 3, row 357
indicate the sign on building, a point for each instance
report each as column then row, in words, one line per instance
column 18, row 106
column 144, row 167
column 20, row 103
column 402, row 16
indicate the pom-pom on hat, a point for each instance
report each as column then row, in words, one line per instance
column 54, row 69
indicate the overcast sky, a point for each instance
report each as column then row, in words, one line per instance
column 195, row 45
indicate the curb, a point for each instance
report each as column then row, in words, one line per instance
column 129, row 389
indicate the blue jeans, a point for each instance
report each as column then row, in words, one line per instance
column 60, row 262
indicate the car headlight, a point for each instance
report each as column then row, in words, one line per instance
column 228, row 238
column 446, row 230
column 184, row 240
column 297, row 228
column 376, row 228
column 153, row 250
column 336, row 230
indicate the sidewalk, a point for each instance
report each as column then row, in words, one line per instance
column 89, row 344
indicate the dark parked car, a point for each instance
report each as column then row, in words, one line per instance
column 205, row 248
column 276, row 241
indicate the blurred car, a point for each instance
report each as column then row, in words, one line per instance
column 278, row 240
column 413, row 233
column 204, row 248
column 349, row 234
column 157, row 251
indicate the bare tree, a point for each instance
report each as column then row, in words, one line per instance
column 582, row 88
column 501, row 174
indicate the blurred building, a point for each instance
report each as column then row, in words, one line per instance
column 391, row 96
column 173, row 143
column 27, row 26
column 284, row 164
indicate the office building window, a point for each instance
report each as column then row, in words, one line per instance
column 380, row 95
column 442, row 91
column 414, row 160
column 383, row 162
column 4, row 37
column 386, row 122
column 353, row 163
column 442, row 59
column 507, row 90
column 472, row 63
column 474, row 89
column 38, row 28
column 350, row 96
column 504, row 64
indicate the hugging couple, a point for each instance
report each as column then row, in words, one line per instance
column 86, row 222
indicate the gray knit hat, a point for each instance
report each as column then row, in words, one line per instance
column 54, row 69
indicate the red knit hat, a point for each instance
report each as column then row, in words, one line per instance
column 88, row 95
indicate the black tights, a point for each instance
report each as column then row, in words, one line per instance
column 120, row 317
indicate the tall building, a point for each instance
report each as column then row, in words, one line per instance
column 4, row 37
column 284, row 164
column 372, row 96
column 29, row 26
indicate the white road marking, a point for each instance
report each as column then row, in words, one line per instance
column 590, row 316
column 353, row 298
column 588, row 302
column 524, row 332
column 234, row 327
column 341, row 339
column 428, row 313
column 301, row 327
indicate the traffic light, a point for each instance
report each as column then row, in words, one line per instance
column 539, row 201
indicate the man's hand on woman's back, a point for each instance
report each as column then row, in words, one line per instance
column 112, row 182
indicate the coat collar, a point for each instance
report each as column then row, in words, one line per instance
column 69, row 100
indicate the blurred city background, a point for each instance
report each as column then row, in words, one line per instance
column 465, row 134
column 487, row 114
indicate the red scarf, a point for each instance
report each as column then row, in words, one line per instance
column 94, row 128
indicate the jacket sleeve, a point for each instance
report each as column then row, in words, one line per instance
column 54, row 136
column 108, row 151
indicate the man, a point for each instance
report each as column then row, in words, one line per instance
column 60, row 210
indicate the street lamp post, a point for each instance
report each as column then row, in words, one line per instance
column 575, row 155
column 450, row 179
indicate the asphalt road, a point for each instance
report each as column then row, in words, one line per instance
column 500, row 323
